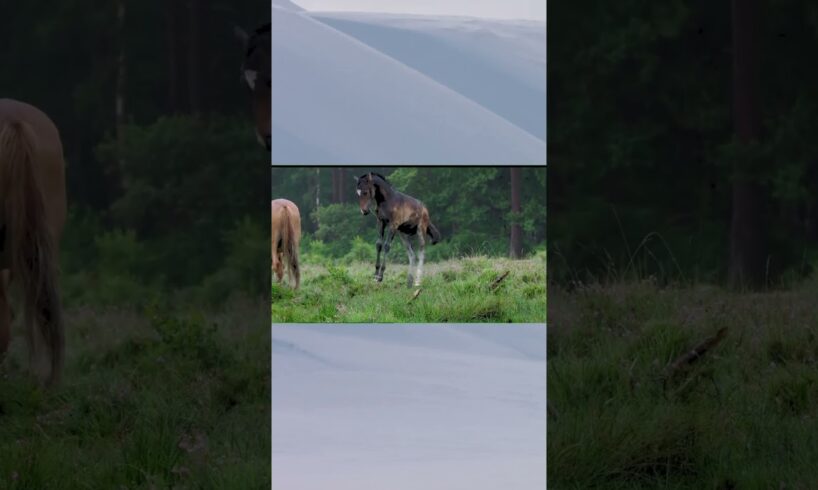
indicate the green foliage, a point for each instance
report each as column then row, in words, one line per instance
column 360, row 251
column 169, row 229
column 340, row 225
column 120, row 269
column 197, row 158
column 314, row 251
column 241, row 272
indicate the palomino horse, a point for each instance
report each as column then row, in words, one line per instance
column 256, row 73
column 400, row 214
column 286, row 228
column 32, row 216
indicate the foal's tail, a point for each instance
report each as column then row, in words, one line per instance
column 289, row 242
column 31, row 244
column 433, row 232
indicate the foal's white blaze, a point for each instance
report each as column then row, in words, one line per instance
column 358, row 191
column 250, row 76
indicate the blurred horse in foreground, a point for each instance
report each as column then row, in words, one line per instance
column 255, row 71
column 32, row 216
column 286, row 231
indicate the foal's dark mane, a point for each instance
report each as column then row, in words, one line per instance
column 376, row 174
column 379, row 192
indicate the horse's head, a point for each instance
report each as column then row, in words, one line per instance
column 255, row 71
column 365, row 188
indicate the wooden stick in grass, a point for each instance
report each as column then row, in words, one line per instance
column 498, row 280
column 692, row 356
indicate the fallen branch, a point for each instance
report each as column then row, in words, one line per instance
column 414, row 296
column 497, row 281
column 688, row 358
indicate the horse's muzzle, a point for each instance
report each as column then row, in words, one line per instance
column 364, row 212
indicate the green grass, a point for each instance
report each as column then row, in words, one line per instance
column 148, row 400
column 744, row 416
column 452, row 291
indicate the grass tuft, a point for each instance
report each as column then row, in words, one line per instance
column 744, row 415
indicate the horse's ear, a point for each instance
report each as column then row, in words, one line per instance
column 355, row 179
column 241, row 34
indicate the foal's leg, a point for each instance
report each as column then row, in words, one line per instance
column 421, row 256
column 5, row 315
column 386, row 246
column 411, row 253
column 379, row 247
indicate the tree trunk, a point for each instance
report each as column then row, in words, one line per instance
column 335, row 185
column 747, row 266
column 119, row 105
column 194, row 75
column 172, row 39
column 338, row 185
column 317, row 194
column 342, row 184
column 516, row 241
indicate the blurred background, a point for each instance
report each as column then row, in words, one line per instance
column 164, row 259
column 164, row 174
column 668, row 137
column 683, row 244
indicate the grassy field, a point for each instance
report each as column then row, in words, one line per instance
column 452, row 291
column 743, row 416
column 147, row 401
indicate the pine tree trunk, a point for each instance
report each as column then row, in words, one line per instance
column 335, row 185
column 119, row 165
column 516, row 240
column 317, row 194
column 747, row 241
column 172, row 39
column 338, row 185
column 194, row 75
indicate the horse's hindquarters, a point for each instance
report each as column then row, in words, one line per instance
column 285, row 227
column 32, row 186
column 48, row 164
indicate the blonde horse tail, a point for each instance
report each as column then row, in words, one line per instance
column 31, row 246
column 292, row 251
column 284, row 238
